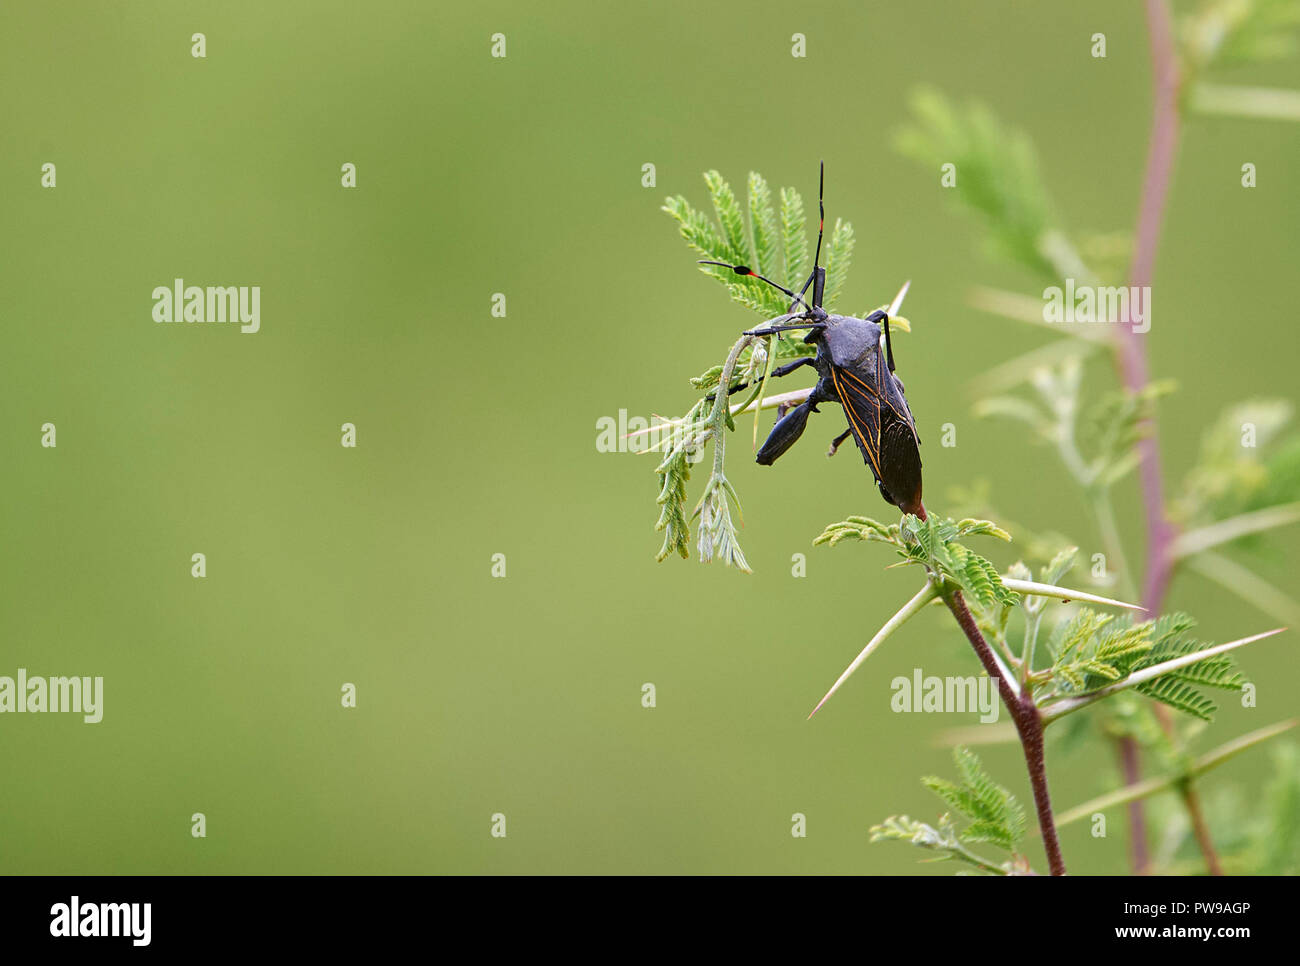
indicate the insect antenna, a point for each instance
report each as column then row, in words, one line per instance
column 818, row 277
column 750, row 273
column 819, row 273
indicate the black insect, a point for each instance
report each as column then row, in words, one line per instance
column 855, row 360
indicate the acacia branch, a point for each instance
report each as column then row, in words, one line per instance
column 1131, row 348
column 1131, row 358
column 1028, row 722
column 1060, row 709
column 1136, row 791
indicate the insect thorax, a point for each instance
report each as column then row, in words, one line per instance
column 850, row 341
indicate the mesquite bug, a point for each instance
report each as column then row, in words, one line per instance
column 855, row 365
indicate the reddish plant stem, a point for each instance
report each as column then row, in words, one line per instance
column 1200, row 828
column 1131, row 354
column 1029, row 726
column 1132, row 770
column 1132, row 360
column 1192, row 801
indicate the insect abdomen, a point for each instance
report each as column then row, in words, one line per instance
column 900, row 462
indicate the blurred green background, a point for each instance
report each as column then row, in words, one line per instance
column 476, row 435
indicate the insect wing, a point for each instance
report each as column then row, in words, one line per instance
column 894, row 399
column 862, row 403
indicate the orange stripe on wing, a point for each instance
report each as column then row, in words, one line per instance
column 876, row 393
column 853, row 421
column 882, row 372
column 849, row 375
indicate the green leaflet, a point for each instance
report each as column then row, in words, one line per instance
column 934, row 543
column 749, row 235
column 762, row 216
column 794, row 242
column 1092, row 650
column 996, row 177
column 996, row 817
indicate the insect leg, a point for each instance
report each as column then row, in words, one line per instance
column 779, row 371
column 835, row 443
column 790, row 427
column 773, row 329
column 883, row 319
column 790, row 367
column 784, row 434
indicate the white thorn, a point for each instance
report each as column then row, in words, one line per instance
column 898, row 299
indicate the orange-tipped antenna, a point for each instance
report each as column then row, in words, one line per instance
column 750, row 273
column 821, row 213
column 818, row 277
column 819, row 273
